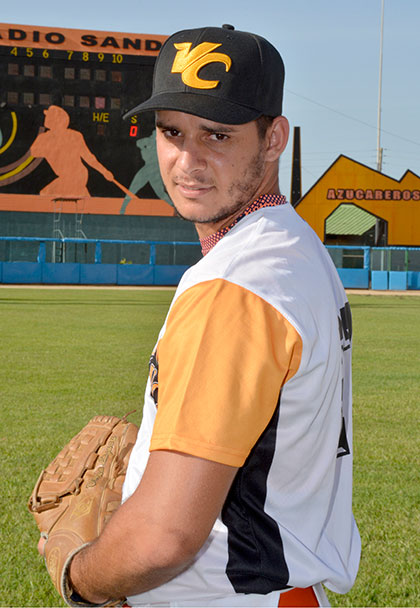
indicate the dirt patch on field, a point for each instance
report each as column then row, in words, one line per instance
column 388, row 292
column 362, row 292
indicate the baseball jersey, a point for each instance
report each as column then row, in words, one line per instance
column 252, row 368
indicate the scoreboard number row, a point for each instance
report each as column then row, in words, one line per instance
column 84, row 55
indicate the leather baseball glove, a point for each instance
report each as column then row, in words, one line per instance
column 78, row 492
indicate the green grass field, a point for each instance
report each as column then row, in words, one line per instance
column 69, row 354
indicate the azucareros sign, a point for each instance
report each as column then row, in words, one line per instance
column 360, row 194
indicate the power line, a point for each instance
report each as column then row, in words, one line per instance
column 317, row 103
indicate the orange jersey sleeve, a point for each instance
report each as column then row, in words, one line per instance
column 223, row 358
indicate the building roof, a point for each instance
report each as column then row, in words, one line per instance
column 349, row 219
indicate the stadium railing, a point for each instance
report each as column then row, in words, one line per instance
column 37, row 260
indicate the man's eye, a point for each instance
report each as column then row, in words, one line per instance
column 219, row 136
column 171, row 132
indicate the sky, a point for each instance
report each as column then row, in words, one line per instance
column 331, row 50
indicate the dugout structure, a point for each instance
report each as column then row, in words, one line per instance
column 352, row 204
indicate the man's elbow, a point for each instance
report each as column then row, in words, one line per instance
column 170, row 550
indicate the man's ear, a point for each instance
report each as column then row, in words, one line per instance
column 277, row 137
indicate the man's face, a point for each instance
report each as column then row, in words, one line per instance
column 211, row 171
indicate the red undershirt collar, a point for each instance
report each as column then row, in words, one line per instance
column 265, row 200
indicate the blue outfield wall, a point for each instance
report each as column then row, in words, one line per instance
column 97, row 273
column 21, row 272
column 354, row 278
column 44, row 273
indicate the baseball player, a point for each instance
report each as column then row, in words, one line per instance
column 239, row 487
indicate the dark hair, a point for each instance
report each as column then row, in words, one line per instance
column 263, row 122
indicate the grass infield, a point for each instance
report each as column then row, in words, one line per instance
column 69, row 354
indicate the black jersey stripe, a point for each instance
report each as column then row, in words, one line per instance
column 256, row 562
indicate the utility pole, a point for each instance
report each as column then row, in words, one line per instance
column 379, row 149
column 296, row 189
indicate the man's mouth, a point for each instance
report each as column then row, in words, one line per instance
column 192, row 190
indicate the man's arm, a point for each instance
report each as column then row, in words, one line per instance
column 157, row 532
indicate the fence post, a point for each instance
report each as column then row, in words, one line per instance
column 152, row 258
column 366, row 258
column 98, row 252
column 42, row 253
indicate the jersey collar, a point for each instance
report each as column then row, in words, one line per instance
column 265, row 200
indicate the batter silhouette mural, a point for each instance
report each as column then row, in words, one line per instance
column 66, row 152
column 149, row 173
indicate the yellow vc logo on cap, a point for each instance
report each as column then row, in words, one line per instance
column 188, row 63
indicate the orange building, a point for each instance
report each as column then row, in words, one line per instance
column 355, row 205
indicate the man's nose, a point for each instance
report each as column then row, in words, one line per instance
column 191, row 157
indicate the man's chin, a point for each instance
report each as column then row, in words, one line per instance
column 178, row 214
column 192, row 215
column 192, row 218
column 196, row 213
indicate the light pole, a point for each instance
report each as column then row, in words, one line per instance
column 379, row 149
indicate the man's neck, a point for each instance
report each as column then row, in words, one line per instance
column 265, row 200
column 206, row 229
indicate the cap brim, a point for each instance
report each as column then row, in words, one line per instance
column 205, row 106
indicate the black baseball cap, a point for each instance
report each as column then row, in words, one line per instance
column 217, row 73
